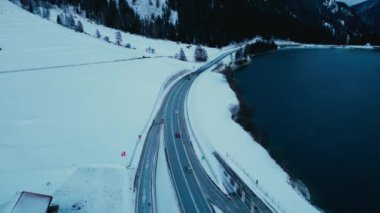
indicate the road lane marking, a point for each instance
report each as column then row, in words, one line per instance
column 177, row 155
column 184, row 149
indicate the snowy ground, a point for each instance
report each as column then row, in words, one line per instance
column 55, row 121
column 209, row 104
column 89, row 190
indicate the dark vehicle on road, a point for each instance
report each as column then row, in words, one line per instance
column 188, row 169
column 177, row 135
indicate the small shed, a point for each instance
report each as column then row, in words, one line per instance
column 30, row 202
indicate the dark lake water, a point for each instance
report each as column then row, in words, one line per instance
column 319, row 112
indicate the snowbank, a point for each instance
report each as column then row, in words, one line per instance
column 284, row 44
column 210, row 102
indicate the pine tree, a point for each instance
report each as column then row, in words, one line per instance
column 238, row 55
column 118, row 38
column 45, row 13
column 24, row 3
column 79, row 27
column 182, row 55
column 157, row 3
column 70, row 22
column 200, row 54
column 31, row 7
column 97, row 34
column 107, row 39
column 59, row 20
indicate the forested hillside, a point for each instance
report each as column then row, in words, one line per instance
column 369, row 11
column 219, row 22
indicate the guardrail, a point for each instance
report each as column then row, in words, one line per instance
column 248, row 197
column 261, row 189
column 243, row 185
column 168, row 82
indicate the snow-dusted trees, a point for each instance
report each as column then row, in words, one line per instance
column 117, row 14
column 106, row 38
column 45, row 13
column 200, row 54
column 38, row 7
column 241, row 56
column 181, row 55
column 79, row 27
column 28, row 5
column 118, row 38
column 128, row 45
column 261, row 46
column 97, row 34
column 150, row 50
column 238, row 55
column 66, row 20
column 59, row 20
column 69, row 22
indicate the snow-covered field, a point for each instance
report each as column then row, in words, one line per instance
column 95, row 188
column 73, row 119
column 209, row 105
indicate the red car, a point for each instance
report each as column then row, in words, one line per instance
column 177, row 135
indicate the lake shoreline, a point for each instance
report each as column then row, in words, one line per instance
column 243, row 116
column 286, row 98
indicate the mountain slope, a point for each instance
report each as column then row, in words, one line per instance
column 321, row 21
column 369, row 11
column 219, row 22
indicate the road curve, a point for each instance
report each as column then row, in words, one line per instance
column 145, row 178
column 194, row 189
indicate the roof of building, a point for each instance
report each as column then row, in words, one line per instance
column 30, row 202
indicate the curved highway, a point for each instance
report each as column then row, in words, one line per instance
column 194, row 189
